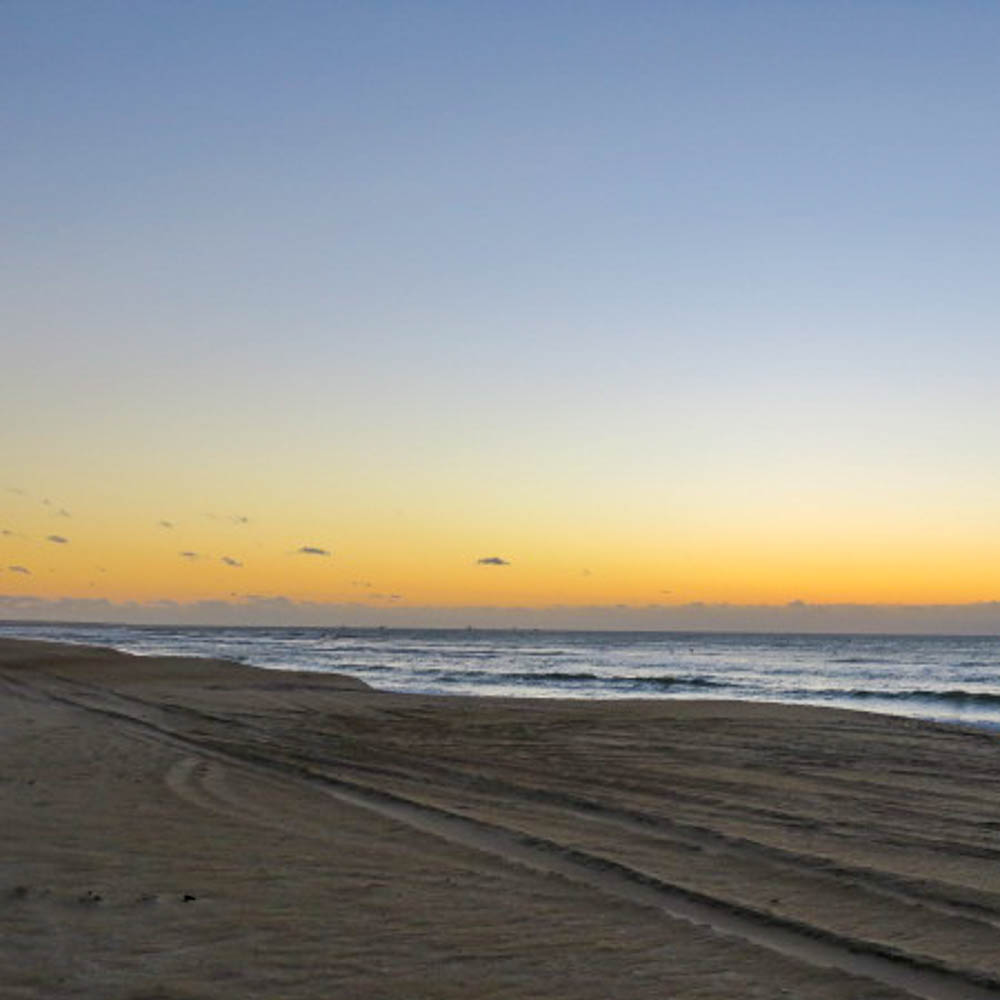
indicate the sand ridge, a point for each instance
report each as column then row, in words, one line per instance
column 185, row 828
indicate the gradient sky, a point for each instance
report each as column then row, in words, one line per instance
column 651, row 302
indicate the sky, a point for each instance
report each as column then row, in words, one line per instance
column 500, row 313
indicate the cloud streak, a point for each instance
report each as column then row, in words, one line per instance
column 954, row 619
column 58, row 539
column 311, row 550
column 492, row 561
column 230, row 561
column 20, row 569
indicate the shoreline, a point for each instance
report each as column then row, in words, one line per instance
column 949, row 706
column 337, row 839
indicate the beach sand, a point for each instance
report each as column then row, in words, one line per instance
column 174, row 829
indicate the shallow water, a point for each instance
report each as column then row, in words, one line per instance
column 951, row 678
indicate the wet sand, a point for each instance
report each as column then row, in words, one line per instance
column 173, row 829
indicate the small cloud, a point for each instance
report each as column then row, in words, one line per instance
column 46, row 502
column 17, row 490
column 58, row 539
column 230, row 561
column 666, row 591
column 19, row 569
column 6, row 532
column 190, row 555
column 63, row 512
column 585, row 572
column 361, row 583
column 165, row 524
column 311, row 550
column 239, row 519
column 492, row 561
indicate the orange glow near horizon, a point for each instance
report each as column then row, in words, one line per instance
column 418, row 560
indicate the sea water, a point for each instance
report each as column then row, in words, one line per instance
column 948, row 678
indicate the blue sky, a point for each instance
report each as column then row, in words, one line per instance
column 695, row 293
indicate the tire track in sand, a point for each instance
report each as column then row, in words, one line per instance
column 673, row 834
column 206, row 786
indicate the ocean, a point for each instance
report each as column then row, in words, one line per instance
column 945, row 678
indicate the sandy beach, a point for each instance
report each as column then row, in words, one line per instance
column 176, row 829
